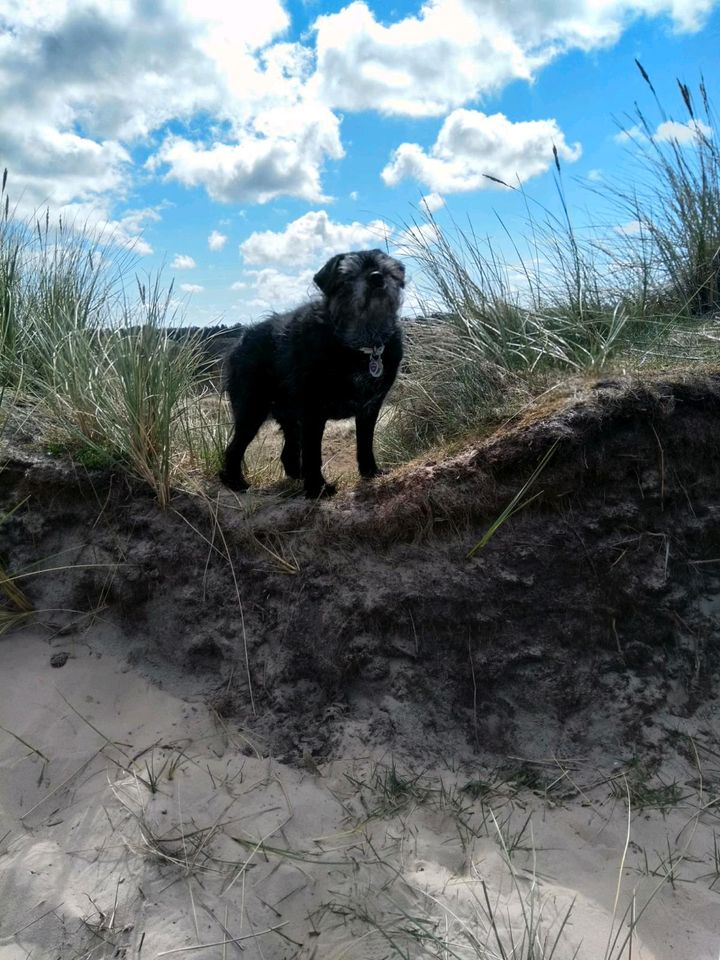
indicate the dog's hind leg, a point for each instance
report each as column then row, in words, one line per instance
column 249, row 417
column 232, row 472
column 290, row 456
column 249, row 387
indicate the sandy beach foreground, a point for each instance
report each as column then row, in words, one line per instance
column 135, row 823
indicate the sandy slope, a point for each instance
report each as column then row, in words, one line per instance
column 302, row 862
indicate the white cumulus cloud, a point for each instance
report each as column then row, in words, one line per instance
column 191, row 288
column 217, row 240
column 472, row 146
column 182, row 262
column 281, row 156
column 689, row 132
column 432, row 202
column 418, row 66
column 632, row 228
column 669, row 130
column 311, row 239
column 69, row 121
column 273, row 289
column 453, row 51
column 628, row 134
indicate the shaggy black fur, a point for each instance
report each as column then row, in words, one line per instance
column 312, row 365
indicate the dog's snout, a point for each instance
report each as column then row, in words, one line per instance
column 376, row 279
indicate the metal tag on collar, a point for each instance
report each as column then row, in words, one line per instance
column 375, row 367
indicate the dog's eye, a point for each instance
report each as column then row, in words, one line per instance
column 376, row 279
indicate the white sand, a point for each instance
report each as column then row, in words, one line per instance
column 234, row 845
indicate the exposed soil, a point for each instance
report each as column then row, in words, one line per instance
column 587, row 624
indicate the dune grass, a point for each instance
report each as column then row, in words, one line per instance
column 634, row 294
column 675, row 206
column 118, row 392
column 108, row 383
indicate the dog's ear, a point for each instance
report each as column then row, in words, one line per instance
column 328, row 277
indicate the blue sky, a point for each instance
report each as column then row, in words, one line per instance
column 240, row 144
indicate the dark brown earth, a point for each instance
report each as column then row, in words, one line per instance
column 588, row 624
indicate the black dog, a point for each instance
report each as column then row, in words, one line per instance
column 329, row 359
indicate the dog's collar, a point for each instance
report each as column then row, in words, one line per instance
column 375, row 366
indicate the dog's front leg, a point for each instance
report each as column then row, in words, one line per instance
column 232, row 471
column 364, row 433
column 312, row 434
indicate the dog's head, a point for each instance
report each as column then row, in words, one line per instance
column 363, row 292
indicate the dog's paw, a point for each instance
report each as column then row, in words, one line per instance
column 238, row 484
column 322, row 492
column 372, row 474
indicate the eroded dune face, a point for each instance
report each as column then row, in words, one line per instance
column 553, row 585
